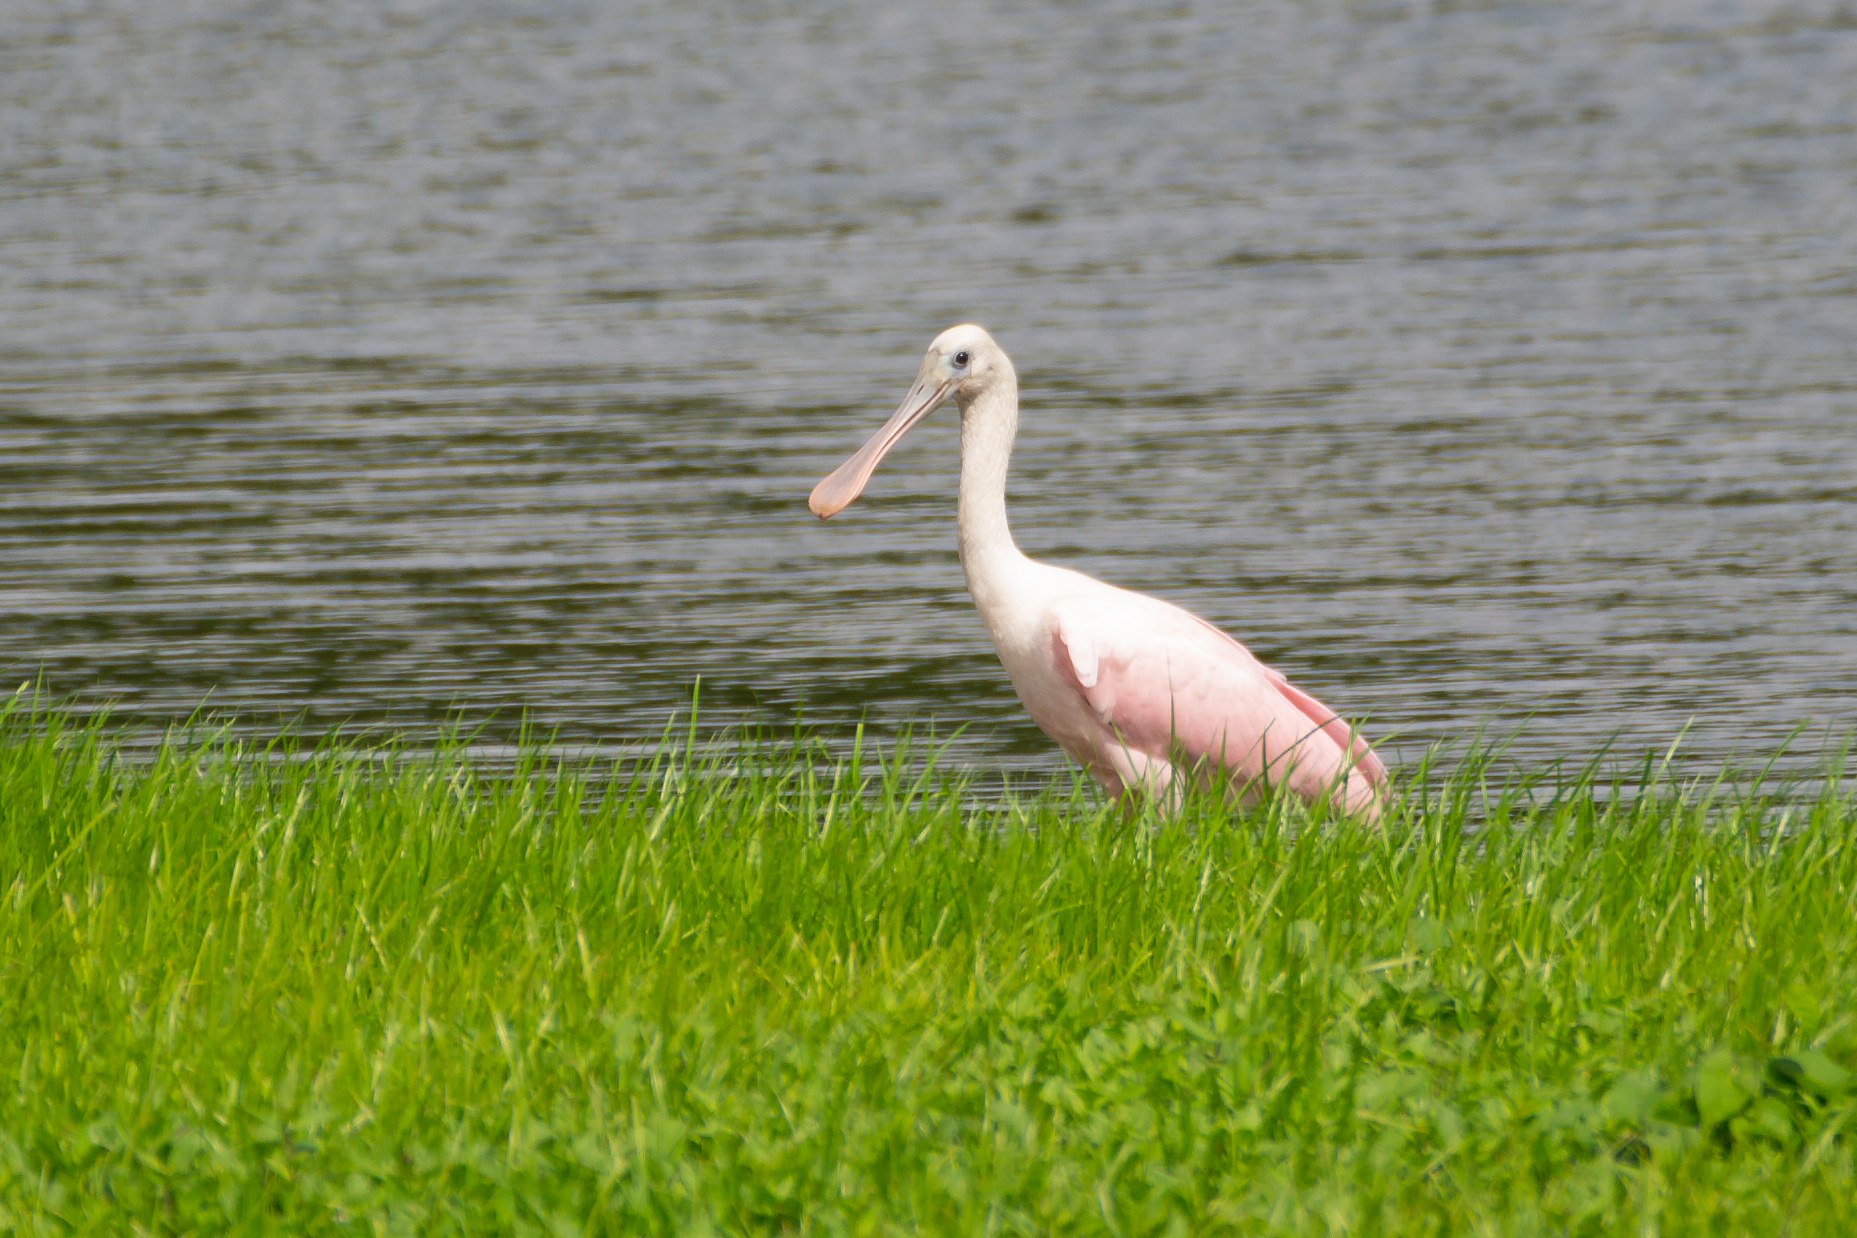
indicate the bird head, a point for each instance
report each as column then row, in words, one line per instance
column 962, row 362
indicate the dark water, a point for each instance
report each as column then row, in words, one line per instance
column 1473, row 362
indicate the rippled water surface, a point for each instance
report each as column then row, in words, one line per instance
column 1475, row 363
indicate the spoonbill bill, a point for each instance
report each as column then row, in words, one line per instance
column 1142, row 693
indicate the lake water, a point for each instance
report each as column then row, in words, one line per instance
column 1475, row 363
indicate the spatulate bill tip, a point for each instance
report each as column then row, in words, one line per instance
column 828, row 499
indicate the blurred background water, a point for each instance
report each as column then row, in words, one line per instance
column 1475, row 363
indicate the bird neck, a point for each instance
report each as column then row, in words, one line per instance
column 988, row 424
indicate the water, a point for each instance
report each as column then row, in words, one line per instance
column 1475, row 363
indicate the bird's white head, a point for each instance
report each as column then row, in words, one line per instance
column 963, row 362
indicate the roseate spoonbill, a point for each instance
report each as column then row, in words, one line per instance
column 1142, row 693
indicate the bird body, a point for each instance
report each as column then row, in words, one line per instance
column 1143, row 694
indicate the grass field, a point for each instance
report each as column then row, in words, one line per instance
column 746, row 989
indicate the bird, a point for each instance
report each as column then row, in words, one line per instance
column 1148, row 697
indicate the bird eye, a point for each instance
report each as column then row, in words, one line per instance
column 961, row 358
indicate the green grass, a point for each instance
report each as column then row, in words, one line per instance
column 354, row 989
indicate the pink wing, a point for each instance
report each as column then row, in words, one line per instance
column 1170, row 685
